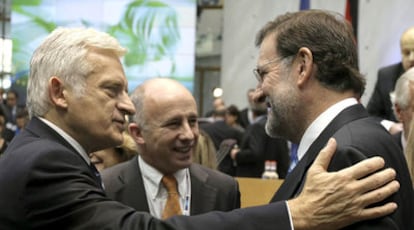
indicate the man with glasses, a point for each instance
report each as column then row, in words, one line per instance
column 47, row 181
column 308, row 73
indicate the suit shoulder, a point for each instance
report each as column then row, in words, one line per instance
column 393, row 69
column 40, row 150
column 116, row 169
column 372, row 140
column 214, row 175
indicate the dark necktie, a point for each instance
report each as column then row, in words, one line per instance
column 172, row 206
column 97, row 175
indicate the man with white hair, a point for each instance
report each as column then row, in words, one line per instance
column 78, row 103
column 380, row 104
column 403, row 104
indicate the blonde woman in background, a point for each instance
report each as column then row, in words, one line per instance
column 205, row 152
column 111, row 156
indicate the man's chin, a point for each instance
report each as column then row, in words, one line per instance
column 184, row 162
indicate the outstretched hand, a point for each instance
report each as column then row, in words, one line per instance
column 332, row 200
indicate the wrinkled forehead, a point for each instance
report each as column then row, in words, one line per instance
column 267, row 49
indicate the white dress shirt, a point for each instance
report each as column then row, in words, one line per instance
column 316, row 128
column 69, row 139
column 156, row 192
column 320, row 123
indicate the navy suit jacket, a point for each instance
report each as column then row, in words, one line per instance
column 380, row 103
column 359, row 136
column 46, row 184
column 210, row 190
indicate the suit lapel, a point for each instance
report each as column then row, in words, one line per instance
column 38, row 128
column 132, row 186
column 295, row 180
column 203, row 196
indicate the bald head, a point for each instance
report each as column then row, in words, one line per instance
column 166, row 128
column 407, row 48
column 408, row 35
column 163, row 87
column 155, row 91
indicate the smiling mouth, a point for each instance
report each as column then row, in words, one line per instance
column 185, row 149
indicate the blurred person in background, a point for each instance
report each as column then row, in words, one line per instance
column 402, row 99
column 246, row 114
column 205, row 152
column 232, row 117
column 108, row 157
column 3, row 140
column 380, row 104
column 257, row 147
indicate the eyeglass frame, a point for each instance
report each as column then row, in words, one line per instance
column 258, row 72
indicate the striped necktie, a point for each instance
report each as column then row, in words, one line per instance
column 172, row 206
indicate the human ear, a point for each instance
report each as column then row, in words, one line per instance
column 136, row 133
column 57, row 93
column 305, row 65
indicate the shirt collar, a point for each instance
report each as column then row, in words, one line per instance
column 320, row 123
column 153, row 179
column 69, row 139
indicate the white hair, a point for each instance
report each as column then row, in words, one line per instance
column 401, row 94
column 64, row 54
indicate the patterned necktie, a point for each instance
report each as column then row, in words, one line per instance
column 293, row 157
column 97, row 174
column 172, row 206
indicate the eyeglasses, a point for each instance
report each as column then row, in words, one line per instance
column 258, row 72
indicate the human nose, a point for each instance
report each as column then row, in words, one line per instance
column 187, row 131
column 258, row 95
column 125, row 104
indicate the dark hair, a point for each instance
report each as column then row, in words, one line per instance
column 219, row 112
column 16, row 94
column 233, row 110
column 22, row 113
column 330, row 38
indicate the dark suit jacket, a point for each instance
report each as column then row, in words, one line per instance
column 244, row 117
column 359, row 136
column 380, row 103
column 397, row 139
column 45, row 184
column 257, row 147
column 219, row 131
column 210, row 190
